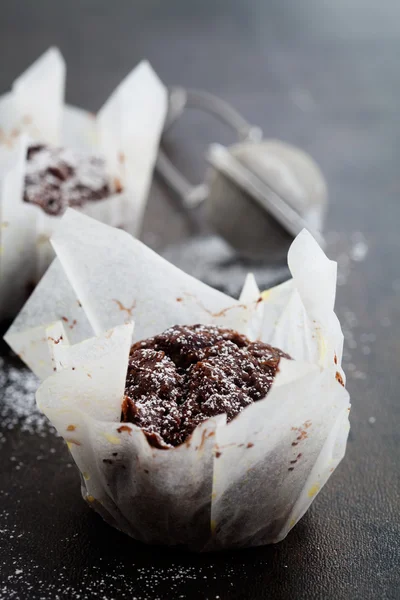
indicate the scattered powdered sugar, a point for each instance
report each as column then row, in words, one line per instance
column 107, row 578
column 354, row 341
column 347, row 250
column 18, row 405
column 359, row 251
column 142, row 583
column 214, row 262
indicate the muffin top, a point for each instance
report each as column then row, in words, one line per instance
column 180, row 378
column 56, row 178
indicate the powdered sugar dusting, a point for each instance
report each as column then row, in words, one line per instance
column 181, row 377
column 347, row 250
column 18, row 405
column 139, row 582
column 56, row 178
column 129, row 571
column 211, row 260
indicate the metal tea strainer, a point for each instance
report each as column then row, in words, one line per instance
column 258, row 193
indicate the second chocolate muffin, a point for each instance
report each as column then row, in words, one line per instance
column 187, row 374
column 60, row 177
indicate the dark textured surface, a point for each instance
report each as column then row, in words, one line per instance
column 318, row 74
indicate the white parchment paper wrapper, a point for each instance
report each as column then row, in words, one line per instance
column 126, row 132
column 230, row 485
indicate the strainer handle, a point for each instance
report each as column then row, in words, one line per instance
column 179, row 99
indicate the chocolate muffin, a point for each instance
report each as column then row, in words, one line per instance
column 60, row 177
column 187, row 374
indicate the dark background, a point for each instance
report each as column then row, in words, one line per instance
column 322, row 75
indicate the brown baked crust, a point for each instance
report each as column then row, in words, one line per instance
column 187, row 374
